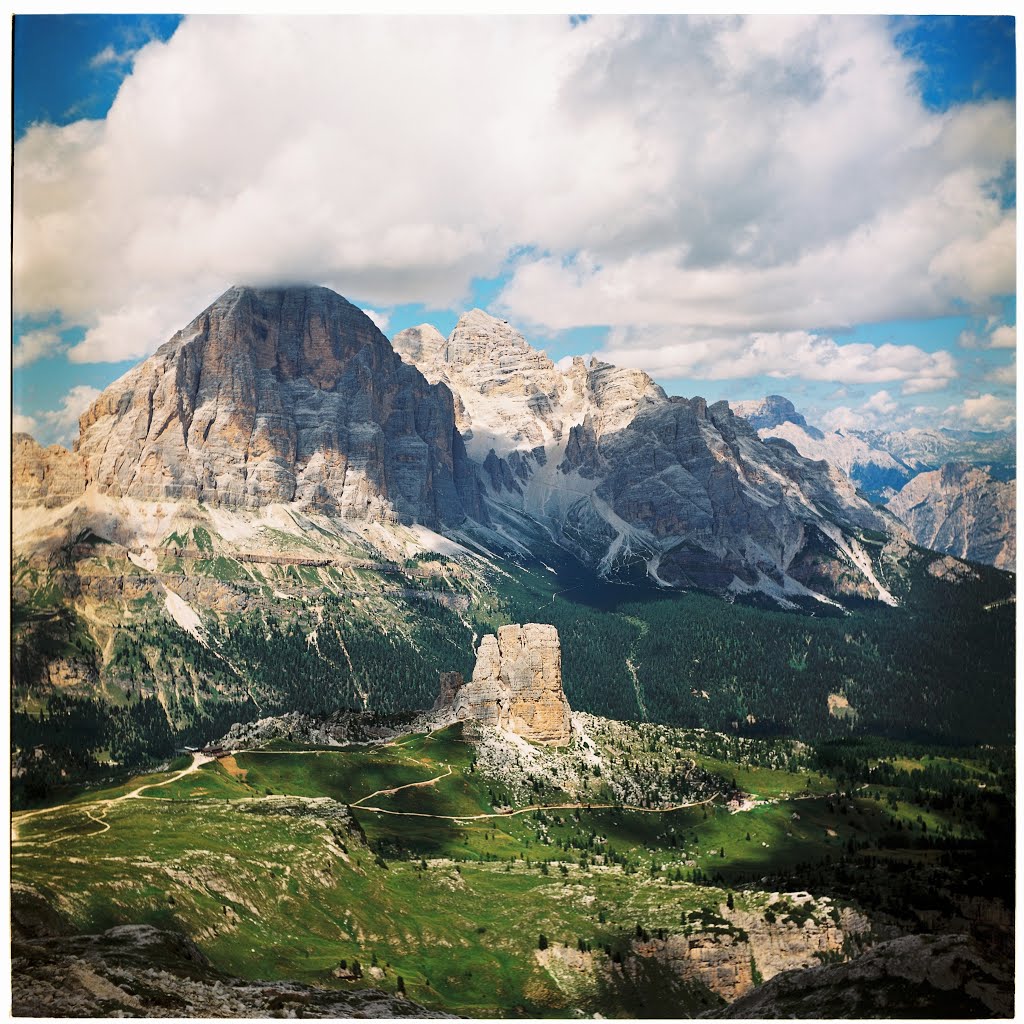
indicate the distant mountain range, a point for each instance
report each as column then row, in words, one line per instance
column 282, row 510
column 954, row 489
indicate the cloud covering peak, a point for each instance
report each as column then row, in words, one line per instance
column 733, row 174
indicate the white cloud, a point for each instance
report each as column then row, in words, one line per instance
column 882, row 402
column 843, row 418
column 380, row 319
column 60, row 425
column 1006, row 375
column 131, row 332
column 757, row 175
column 22, row 424
column 35, row 345
column 664, row 352
column 1004, row 337
column 109, row 55
column 986, row 412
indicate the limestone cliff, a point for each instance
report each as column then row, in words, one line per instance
column 50, row 477
column 962, row 510
column 631, row 481
column 281, row 395
column 516, row 685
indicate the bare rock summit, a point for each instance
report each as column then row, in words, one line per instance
column 281, row 395
column 516, row 685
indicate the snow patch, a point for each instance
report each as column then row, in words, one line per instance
column 860, row 558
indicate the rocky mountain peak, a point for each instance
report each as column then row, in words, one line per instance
column 771, row 411
column 962, row 510
column 281, row 395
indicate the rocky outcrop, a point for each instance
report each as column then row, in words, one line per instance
column 287, row 395
column 915, row 976
column 728, row 955
column 50, row 477
column 141, row 971
column 961, row 510
column 451, row 683
column 516, row 686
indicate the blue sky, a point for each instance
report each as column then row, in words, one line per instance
column 816, row 236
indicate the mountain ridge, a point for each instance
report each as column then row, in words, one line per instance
column 292, row 397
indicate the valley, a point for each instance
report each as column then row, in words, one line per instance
column 447, row 888
column 434, row 678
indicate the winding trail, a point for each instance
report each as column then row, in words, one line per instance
column 534, row 807
column 198, row 760
column 395, row 789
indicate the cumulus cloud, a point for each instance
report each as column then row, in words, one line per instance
column 789, row 354
column 986, row 412
column 380, row 319
column 35, row 345
column 881, row 402
column 131, row 331
column 22, row 424
column 879, row 412
column 737, row 174
column 1006, row 375
column 1004, row 337
column 60, row 425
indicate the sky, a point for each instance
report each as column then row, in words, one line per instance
column 819, row 207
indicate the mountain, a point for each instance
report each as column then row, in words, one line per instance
column 772, row 411
column 636, row 484
column 961, row 510
column 953, row 488
column 277, row 513
column 290, row 398
column 924, row 449
column 869, row 464
column 281, row 396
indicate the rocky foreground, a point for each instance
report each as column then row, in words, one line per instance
column 141, row 971
column 917, row 976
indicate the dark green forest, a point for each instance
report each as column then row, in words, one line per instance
column 939, row 668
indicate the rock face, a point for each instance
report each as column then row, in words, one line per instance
column 282, row 395
column 50, row 477
column 916, row 976
column 961, row 510
column 633, row 482
column 140, row 971
column 516, row 685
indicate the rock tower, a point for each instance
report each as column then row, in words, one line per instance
column 516, row 685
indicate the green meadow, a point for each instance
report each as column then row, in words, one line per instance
column 264, row 861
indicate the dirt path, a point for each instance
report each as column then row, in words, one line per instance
column 395, row 789
column 535, row 807
column 16, row 820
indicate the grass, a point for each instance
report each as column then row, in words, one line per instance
column 278, row 889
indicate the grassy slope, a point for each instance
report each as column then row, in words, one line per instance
column 269, row 894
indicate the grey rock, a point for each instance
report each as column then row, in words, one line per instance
column 961, row 510
column 916, row 976
column 282, row 395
